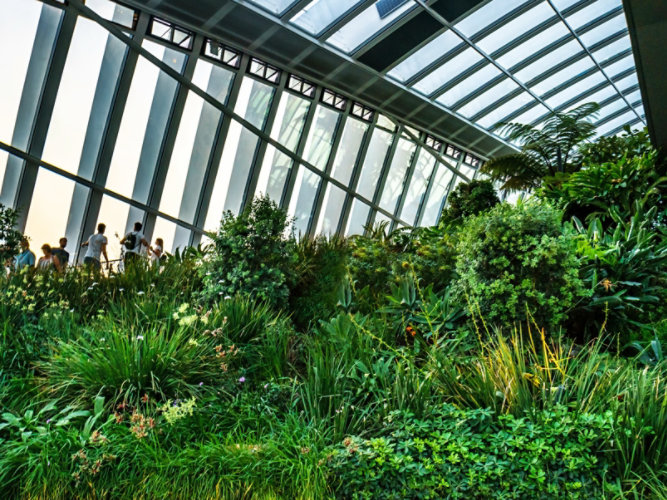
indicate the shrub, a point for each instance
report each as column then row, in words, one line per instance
column 622, row 186
column 612, row 149
column 126, row 364
column 9, row 236
column 518, row 259
column 321, row 272
column 469, row 198
column 455, row 453
column 252, row 255
column 625, row 267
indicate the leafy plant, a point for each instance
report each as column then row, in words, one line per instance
column 625, row 267
column 545, row 151
column 251, row 255
column 456, row 453
column 620, row 187
column 9, row 236
column 321, row 271
column 518, row 259
column 469, row 198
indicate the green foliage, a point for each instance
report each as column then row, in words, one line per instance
column 545, row 151
column 469, row 198
column 251, row 255
column 515, row 260
column 455, row 453
column 321, row 271
column 616, row 147
column 625, row 267
column 620, row 187
column 126, row 365
column 9, row 236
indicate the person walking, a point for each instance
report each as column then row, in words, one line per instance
column 61, row 253
column 133, row 243
column 48, row 262
column 97, row 245
column 26, row 258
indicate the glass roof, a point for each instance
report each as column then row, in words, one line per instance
column 505, row 59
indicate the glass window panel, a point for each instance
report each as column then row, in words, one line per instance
column 396, row 176
column 598, row 97
column 381, row 218
column 18, row 25
column 575, row 89
column 516, row 27
column 348, row 150
column 611, row 108
column 562, row 76
column 591, row 12
column 358, row 218
column 449, row 70
column 386, row 123
column 373, row 163
column 274, row 6
column 468, row 86
column 479, row 19
column 365, row 25
column 621, row 45
column 115, row 214
column 303, row 198
column 482, row 101
column 497, row 114
column 605, row 30
column 85, row 95
column 527, row 48
column 287, row 128
column 620, row 66
column 321, row 136
column 143, row 125
column 627, row 82
column 239, row 152
column 332, row 207
column 417, row 188
column 561, row 5
column 191, row 154
column 634, row 96
column 319, row 14
column 112, row 11
column 173, row 236
column 549, row 60
column 531, row 115
column 425, row 56
column 616, row 122
column 443, row 177
column 47, row 215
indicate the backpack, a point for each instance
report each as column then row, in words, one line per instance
column 131, row 241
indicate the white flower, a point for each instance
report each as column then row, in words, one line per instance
column 141, row 292
column 227, row 297
column 140, row 337
column 102, row 339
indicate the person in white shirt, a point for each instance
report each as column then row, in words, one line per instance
column 156, row 251
column 97, row 245
column 133, row 243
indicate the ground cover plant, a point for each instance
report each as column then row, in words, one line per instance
column 512, row 351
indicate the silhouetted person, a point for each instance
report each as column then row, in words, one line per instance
column 133, row 242
column 61, row 253
column 48, row 262
column 97, row 244
column 26, row 258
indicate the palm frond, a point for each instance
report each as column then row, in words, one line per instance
column 517, row 172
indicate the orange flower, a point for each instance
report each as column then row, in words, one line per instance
column 411, row 330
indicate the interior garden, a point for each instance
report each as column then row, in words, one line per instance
column 516, row 350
